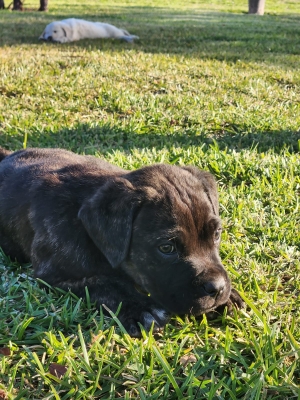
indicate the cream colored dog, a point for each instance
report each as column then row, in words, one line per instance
column 72, row 29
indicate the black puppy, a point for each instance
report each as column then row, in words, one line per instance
column 147, row 238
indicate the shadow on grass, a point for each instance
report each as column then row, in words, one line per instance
column 193, row 33
column 88, row 139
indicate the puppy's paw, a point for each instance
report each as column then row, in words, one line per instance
column 158, row 317
column 235, row 299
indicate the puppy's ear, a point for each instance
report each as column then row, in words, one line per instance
column 66, row 32
column 108, row 216
column 209, row 185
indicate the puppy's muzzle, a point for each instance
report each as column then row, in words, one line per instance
column 215, row 288
column 210, row 290
column 48, row 39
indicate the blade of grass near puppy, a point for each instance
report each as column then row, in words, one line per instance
column 257, row 313
column 167, row 369
column 83, row 346
column 43, row 374
column 294, row 343
column 115, row 318
column 23, row 326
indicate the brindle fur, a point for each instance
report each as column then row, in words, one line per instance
column 83, row 222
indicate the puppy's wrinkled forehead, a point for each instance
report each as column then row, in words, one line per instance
column 186, row 194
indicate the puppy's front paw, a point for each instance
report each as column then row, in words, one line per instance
column 235, row 299
column 158, row 317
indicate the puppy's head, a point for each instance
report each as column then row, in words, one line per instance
column 56, row 32
column 161, row 225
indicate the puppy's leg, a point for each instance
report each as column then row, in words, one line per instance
column 129, row 38
column 111, row 287
column 111, row 291
column 12, row 248
column 235, row 300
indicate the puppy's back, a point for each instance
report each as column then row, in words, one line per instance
column 46, row 160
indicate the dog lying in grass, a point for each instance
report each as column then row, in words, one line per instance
column 148, row 238
column 72, row 29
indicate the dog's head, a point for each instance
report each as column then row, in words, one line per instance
column 57, row 31
column 161, row 225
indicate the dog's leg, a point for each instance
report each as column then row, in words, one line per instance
column 111, row 291
column 235, row 299
column 12, row 249
column 129, row 38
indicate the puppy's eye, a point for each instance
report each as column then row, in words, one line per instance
column 54, row 31
column 167, row 248
column 217, row 235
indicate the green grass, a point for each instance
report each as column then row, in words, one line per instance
column 206, row 85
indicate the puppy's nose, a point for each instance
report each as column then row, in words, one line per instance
column 214, row 288
column 49, row 38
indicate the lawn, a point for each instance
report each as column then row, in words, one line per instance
column 206, row 85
